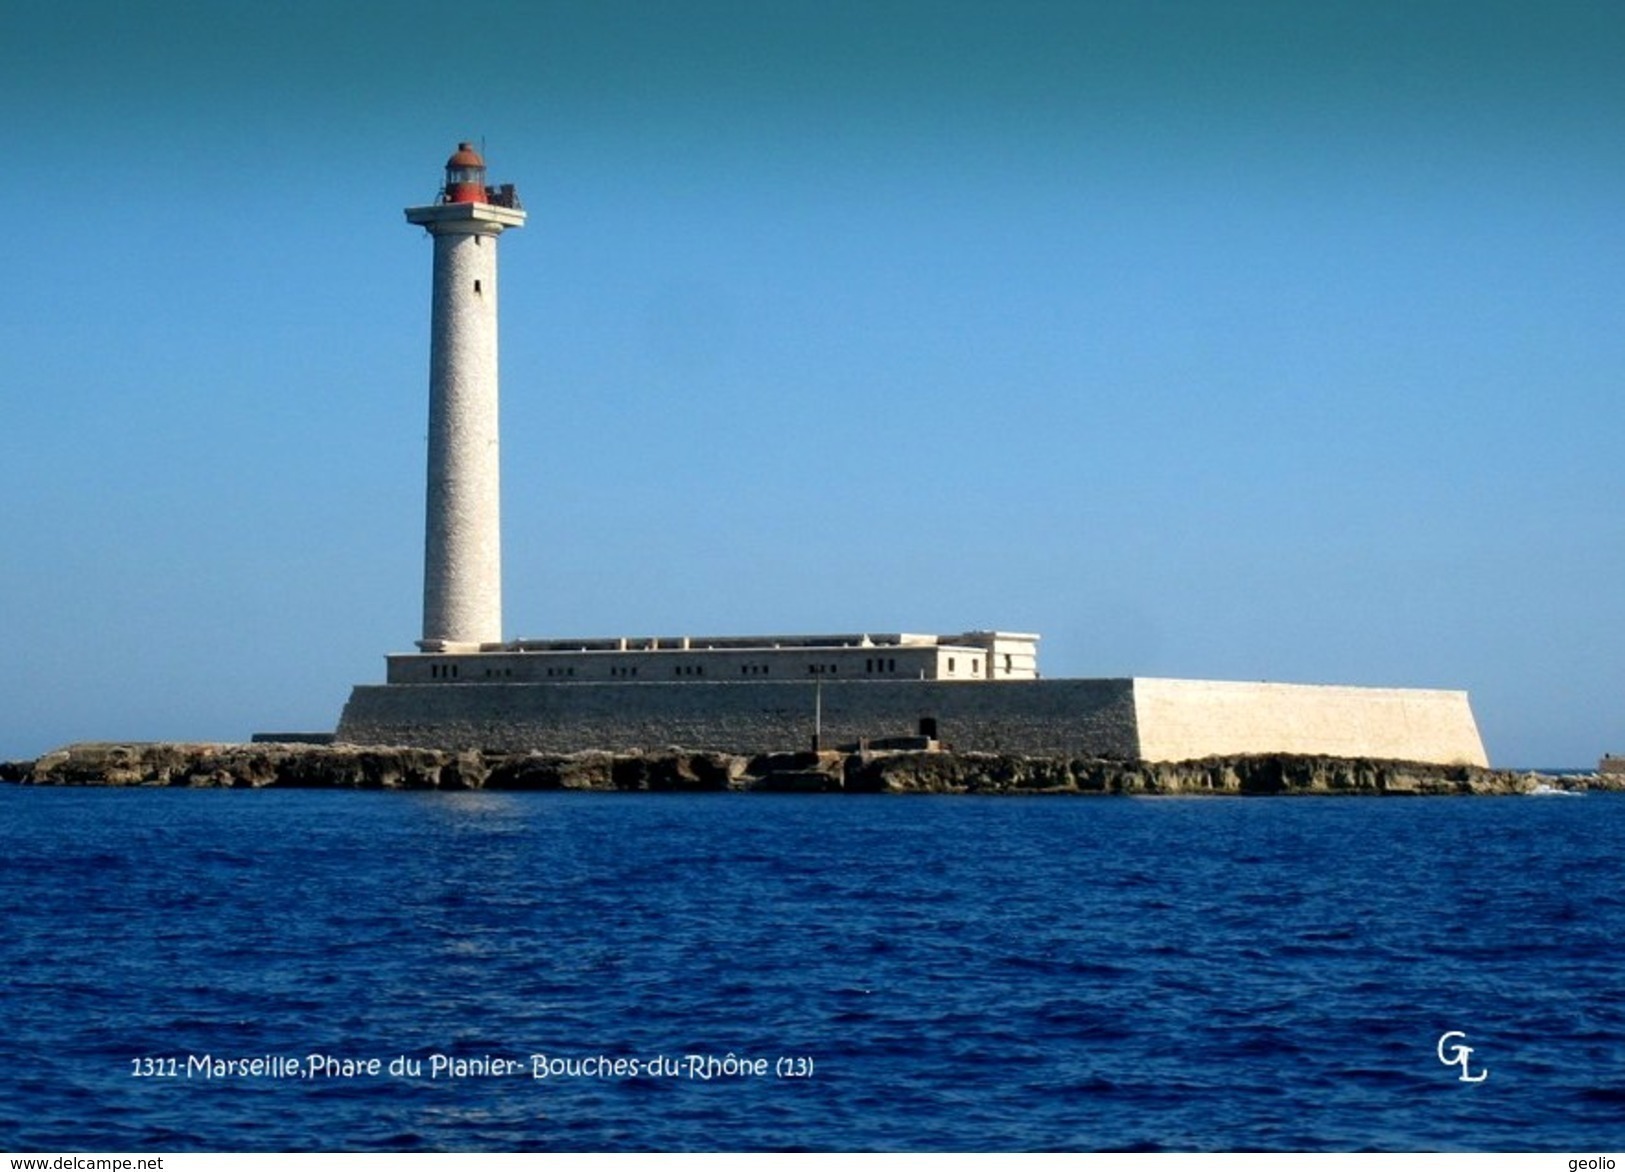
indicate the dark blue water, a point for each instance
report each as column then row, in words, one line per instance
column 962, row 972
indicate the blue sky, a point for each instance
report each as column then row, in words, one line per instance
column 1235, row 340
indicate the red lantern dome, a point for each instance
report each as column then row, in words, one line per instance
column 465, row 176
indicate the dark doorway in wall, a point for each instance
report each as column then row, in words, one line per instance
column 928, row 727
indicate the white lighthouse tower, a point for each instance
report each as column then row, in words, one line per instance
column 462, row 566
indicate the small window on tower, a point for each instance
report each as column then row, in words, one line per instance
column 476, row 284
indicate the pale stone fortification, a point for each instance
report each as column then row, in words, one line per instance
column 978, row 690
column 1131, row 719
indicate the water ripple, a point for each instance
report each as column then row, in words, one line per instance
column 966, row 973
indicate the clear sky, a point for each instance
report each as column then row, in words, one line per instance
column 1243, row 340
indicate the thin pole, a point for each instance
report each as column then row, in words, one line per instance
column 818, row 715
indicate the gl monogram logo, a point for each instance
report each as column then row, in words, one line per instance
column 1459, row 1055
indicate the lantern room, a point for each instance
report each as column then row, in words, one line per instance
column 465, row 176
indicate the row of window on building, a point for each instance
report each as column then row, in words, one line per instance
column 448, row 671
column 871, row 666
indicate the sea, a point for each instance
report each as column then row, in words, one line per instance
column 232, row 970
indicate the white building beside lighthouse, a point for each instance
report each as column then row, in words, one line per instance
column 462, row 561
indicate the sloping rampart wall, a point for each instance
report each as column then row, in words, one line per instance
column 1182, row 720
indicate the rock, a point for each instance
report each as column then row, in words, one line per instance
column 676, row 770
column 292, row 765
column 536, row 771
column 805, row 772
column 798, row 781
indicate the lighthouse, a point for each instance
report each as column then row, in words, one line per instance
column 756, row 695
column 462, row 563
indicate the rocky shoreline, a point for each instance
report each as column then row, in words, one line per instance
column 304, row 766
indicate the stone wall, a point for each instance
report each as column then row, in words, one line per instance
column 1144, row 719
column 1182, row 720
column 1083, row 717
